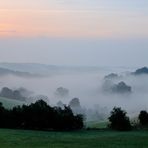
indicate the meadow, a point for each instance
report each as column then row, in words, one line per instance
column 102, row 138
column 77, row 139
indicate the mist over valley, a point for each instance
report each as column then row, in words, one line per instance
column 98, row 89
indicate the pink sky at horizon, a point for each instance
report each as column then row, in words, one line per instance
column 61, row 19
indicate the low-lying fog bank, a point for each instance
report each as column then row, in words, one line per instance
column 88, row 87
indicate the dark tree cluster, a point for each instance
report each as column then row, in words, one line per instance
column 119, row 88
column 119, row 121
column 141, row 71
column 40, row 116
column 12, row 94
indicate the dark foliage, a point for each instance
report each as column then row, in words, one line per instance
column 143, row 118
column 119, row 120
column 121, row 87
column 40, row 116
column 143, row 70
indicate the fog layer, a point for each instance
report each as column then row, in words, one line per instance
column 87, row 86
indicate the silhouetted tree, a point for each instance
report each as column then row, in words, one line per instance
column 119, row 120
column 143, row 118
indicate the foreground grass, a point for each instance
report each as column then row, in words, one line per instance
column 80, row 139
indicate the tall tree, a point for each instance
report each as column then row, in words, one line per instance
column 119, row 120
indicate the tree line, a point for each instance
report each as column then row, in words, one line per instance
column 40, row 116
column 121, row 122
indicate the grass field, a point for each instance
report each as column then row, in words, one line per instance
column 96, row 124
column 79, row 139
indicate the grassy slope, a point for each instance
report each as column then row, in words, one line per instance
column 80, row 139
column 9, row 103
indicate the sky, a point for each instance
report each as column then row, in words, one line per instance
column 74, row 32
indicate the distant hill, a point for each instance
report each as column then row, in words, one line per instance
column 140, row 71
column 32, row 68
column 43, row 69
column 5, row 72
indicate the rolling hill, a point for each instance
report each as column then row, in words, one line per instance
column 10, row 103
column 5, row 72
